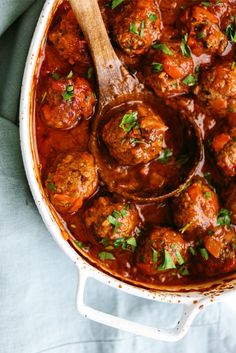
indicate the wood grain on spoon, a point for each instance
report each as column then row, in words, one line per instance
column 113, row 78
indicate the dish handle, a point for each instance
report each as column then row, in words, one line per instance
column 170, row 335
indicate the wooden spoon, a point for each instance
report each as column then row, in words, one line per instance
column 116, row 87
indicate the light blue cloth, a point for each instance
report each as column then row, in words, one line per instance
column 37, row 280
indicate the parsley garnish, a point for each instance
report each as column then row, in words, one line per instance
column 207, row 195
column 116, row 3
column 129, row 122
column 142, row 28
column 192, row 250
column 90, row 72
column 168, row 262
column 70, row 74
column 231, row 31
column 104, row 255
column 179, row 257
column 133, row 28
column 51, row 186
column 104, row 241
column 154, row 256
column 223, row 217
column 184, row 46
column 190, row 80
column 69, row 93
column 56, row 76
column 153, row 17
column 165, row 155
column 157, row 67
column 124, row 242
column 163, row 48
column 204, row 253
column 206, row 3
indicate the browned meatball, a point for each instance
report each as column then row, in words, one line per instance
column 69, row 41
column 230, row 201
column 224, row 146
column 72, row 179
column 135, row 137
column 168, row 71
column 137, row 26
column 218, row 87
column 204, row 34
column 107, row 219
column 163, row 249
column 216, row 254
column 66, row 101
column 196, row 209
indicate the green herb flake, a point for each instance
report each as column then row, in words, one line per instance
column 142, row 29
column 233, row 65
column 123, row 213
column 104, row 242
column 164, row 48
column 223, row 217
column 69, row 93
column 183, row 271
column 207, row 176
column 129, row 122
column 89, row 72
column 134, row 141
column 153, row 17
column 206, row 3
column 116, row 3
column 192, row 250
column 51, row 186
column 133, row 28
column 184, row 46
column 231, row 31
column 207, row 195
column 234, row 139
column 56, row 76
column 204, row 253
column 165, row 155
column 157, row 67
column 179, row 257
column 132, row 242
column 154, row 256
column 168, row 262
column 190, row 80
column 118, row 242
column 184, row 228
column 210, row 232
column 79, row 244
column 70, row 74
column 104, row 255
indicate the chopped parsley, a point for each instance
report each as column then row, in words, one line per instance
column 132, row 242
column 179, row 257
column 190, row 80
column 142, row 28
column 70, row 74
column 165, row 155
column 153, row 17
column 223, row 217
column 157, row 67
column 104, row 241
column 116, row 3
column 113, row 218
column 204, row 253
column 104, row 255
column 68, row 94
column 129, row 122
column 184, row 228
column 134, row 141
column 192, row 250
column 89, row 72
column 154, row 256
column 56, row 76
column 183, row 271
column 207, row 195
column 168, row 262
column 133, row 28
column 207, row 176
column 206, row 3
column 200, row 35
column 124, row 242
column 184, row 46
column 164, row 48
column 234, row 139
column 51, row 186
column 233, row 65
column 231, row 31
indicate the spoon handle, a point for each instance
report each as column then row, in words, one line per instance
column 113, row 79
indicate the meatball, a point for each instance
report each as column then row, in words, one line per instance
column 163, row 249
column 230, row 201
column 218, row 87
column 135, row 137
column 224, row 147
column 72, row 179
column 67, row 100
column 137, row 26
column 204, row 34
column 106, row 219
column 216, row 254
column 196, row 209
column 168, row 71
column 69, row 41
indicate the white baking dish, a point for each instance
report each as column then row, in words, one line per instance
column 193, row 299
